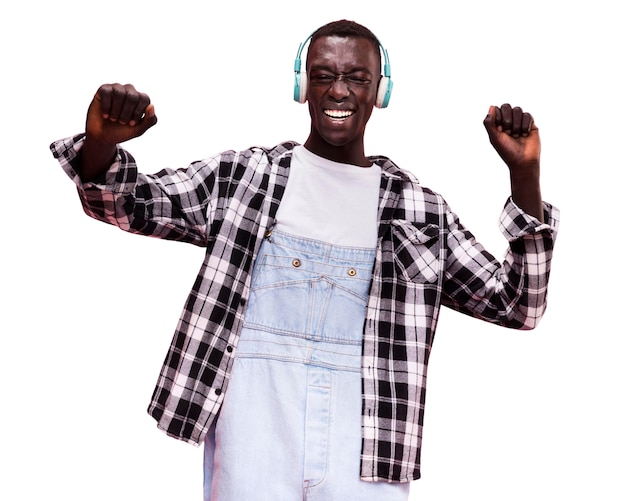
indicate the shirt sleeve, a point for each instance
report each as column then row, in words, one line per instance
column 171, row 204
column 511, row 292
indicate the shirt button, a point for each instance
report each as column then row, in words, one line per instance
column 296, row 263
column 352, row 272
column 218, row 392
column 229, row 349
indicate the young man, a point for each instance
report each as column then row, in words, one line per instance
column 300, row 358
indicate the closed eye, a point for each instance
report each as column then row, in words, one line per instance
column 328, row 78
column 358, row 80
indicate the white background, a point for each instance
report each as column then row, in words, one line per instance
column 88, row 311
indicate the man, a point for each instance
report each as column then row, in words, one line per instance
column 300, row 358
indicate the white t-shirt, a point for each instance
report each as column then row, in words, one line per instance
column 329, row 201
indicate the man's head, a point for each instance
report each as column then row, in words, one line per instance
column 343, row 72
column 344, row 29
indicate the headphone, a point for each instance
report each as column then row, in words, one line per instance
column 384, row 86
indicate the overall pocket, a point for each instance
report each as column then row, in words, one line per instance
column 298, row 294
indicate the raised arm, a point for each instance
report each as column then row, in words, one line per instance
column 515, row 137
column 116, row 114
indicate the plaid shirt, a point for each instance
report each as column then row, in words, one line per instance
column 424, row 258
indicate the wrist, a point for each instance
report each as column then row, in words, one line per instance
column 96, row 157
column 525, row 174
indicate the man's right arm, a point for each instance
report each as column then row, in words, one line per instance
column 116, row 114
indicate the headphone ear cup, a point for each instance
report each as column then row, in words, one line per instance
column 384, row 92
column 300, row 87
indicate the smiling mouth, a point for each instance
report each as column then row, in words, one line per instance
column 338, row 114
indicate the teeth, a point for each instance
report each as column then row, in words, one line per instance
column 338, row 113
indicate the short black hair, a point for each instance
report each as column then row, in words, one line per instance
column 345, row 29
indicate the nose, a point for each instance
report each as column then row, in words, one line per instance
column 339, row 89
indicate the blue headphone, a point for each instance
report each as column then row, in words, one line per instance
column 384, row 87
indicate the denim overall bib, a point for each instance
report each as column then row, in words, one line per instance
column 290, row 425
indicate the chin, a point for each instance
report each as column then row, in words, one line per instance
column 340, row 138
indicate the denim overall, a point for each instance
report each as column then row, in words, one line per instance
column 290, row 425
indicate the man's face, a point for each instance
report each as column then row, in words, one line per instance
column 343, row 75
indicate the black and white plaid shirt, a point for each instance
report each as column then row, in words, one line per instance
column 424, row 258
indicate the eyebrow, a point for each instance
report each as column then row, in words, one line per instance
column 321, row 67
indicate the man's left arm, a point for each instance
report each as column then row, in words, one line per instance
column 513, row 292
column 514, row 135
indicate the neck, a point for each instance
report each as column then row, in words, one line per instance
column 351, row 153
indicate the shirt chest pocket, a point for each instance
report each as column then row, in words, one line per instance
column 416, row 251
